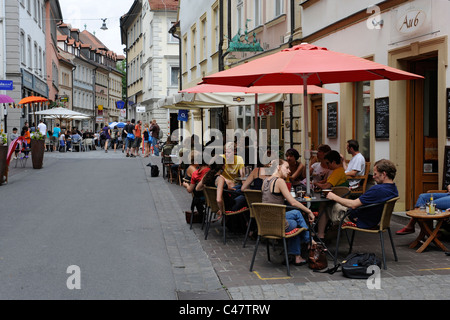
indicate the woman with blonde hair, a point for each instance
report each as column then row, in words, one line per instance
column 275, row 190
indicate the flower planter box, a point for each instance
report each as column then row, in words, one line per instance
column 37, row 153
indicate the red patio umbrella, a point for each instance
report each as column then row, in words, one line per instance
column 211, row 88
column 33, row 99
column 306, row 64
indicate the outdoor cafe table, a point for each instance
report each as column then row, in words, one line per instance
column 316, row 197
column 426, row 222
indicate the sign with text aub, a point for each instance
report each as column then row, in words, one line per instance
column 6, row 85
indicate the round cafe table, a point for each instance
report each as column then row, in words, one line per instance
column 426, row 224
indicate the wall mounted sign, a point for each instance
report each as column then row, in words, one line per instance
column 411, row 20
column 6, row 85
column 382, row 118
column 332, row 120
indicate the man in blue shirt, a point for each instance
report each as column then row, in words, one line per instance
column 55, row 136
column 384, row 172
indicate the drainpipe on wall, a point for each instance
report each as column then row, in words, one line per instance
column 220, row 50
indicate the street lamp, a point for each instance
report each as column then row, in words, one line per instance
column 104, row 27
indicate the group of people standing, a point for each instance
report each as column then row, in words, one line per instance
column 134, row 136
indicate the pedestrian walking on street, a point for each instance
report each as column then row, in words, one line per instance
column 129, row 128
column 155, row 129
column 124, row 137
column 147, row 140
column 107, row 135
column 137, row 139
column 55, row 136
column 114, row 137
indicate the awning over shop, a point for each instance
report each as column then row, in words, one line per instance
column 189, row 101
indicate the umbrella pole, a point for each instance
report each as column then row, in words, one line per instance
column 306, row 121
column 34, row 109
column 256, row 127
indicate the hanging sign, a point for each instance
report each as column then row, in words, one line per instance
column 183, row 115
column 267, row 109
column 120, row 105
column 6, row 85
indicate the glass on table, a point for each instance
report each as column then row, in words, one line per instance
column 301, row 192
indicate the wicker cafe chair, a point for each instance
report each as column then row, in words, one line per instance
column 384, row 225
column 271, row 219
column 362, row 182
column 251, row 196
column 212, row 195
column 211, row 207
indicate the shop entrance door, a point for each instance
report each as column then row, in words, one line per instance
column 423, row 139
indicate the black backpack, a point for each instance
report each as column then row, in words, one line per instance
column 154, row 171
column 355, row 265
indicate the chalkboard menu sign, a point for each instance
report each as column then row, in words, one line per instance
column 332, row 119
column 382, row 118
column 447, row 98
column 446, row 180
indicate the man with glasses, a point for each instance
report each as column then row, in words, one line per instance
column 385, row 189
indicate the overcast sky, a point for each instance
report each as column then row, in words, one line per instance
column 90, row 12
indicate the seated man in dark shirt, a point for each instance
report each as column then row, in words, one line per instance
column 383, row 173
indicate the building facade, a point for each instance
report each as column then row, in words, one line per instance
column 96, row 81
column 160, row 63
column 132, row 38
column 25, row 63
column 404, row 121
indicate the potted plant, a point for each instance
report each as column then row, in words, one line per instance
column 3, row 155
column 37, row 149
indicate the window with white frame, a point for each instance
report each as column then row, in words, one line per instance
column 36, row 61
column 36, row 9
column 23, row 57
column 174, row 72
column 203, row 37
column 279, row 7
column 150, row 77
column 41, row 71
column 258, row 13
column 239, row 15
column 215, row 27
column 29, row 50
column 193, row 47
column 171, row 39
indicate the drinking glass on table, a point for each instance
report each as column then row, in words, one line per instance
column 301, row 192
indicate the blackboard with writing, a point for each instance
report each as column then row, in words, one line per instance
column 382, row 118
column 447, row 98
column 446, row 180
column 332, row 119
